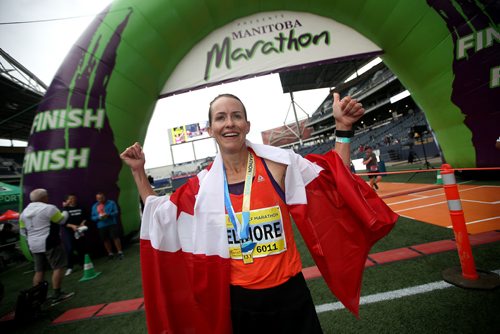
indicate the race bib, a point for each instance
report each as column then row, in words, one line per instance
column 266, row 230
column 374, row 168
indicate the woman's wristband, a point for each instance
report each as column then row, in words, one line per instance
column 343, row 140
column 344, row 133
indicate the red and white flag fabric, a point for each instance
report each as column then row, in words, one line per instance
column 185, row 254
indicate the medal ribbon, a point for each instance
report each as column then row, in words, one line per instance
column 242, row 228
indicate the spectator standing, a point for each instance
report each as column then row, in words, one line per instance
column 41, row 223
column 76, row 219
column 105, row 214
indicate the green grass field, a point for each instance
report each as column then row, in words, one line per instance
column 449, row 310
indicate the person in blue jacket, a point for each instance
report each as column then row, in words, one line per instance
column 105, row 214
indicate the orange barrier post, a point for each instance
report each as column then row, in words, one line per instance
column 468, row 276
column 458, row 222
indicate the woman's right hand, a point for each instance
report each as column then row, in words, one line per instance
column 134, row 157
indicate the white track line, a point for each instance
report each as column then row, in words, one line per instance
column 441, row 194
column 418, row 196
column 419, row 207
column 480, row 202
column 391, row 295
column 415, row 199
column 477, row 221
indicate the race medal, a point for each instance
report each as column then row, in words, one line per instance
column 242, row 228
column 247, row 251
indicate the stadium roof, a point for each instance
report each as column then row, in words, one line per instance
column 20, row 93
column 313, row 76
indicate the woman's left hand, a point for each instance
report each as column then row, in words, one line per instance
column 346, row 111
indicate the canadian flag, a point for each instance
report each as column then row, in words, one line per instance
column 184, row 248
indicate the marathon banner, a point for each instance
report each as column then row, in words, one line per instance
column 265, row 43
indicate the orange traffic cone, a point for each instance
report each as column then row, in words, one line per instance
column 88, row 270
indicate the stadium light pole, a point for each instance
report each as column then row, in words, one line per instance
column 299, row 133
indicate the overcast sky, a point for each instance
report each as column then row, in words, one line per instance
column 42, row 46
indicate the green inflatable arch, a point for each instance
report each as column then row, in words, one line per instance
column 113, row 76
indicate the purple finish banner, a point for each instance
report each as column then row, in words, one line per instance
column 476, row 67
column 71, row 148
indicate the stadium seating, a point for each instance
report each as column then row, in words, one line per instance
column 397, row 149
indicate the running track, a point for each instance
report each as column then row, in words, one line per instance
column 480, row 203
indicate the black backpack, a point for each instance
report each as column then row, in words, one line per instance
column 29, row 302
